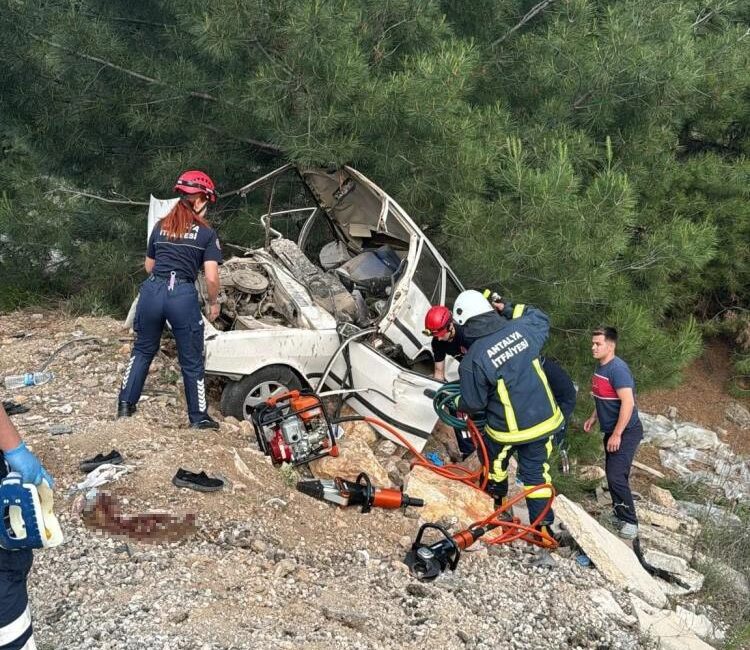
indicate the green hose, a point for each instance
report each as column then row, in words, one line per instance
column 444, row 403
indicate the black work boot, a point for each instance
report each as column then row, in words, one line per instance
column 206, row 422
column 125, row 409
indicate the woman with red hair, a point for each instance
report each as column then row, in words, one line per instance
column 180, row 245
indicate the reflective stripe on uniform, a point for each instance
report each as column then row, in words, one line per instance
column 543, row 493
column 543, row 378
column 30, row 644
column 498, row 474
column 549, row 425
column 515, row 435
column 15, row 629
column 510, row 414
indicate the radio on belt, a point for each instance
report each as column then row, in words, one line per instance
column 294, row 428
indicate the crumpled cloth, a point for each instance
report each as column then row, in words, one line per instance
column 100, row 476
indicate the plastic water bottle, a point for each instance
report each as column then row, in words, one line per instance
column 28, row 379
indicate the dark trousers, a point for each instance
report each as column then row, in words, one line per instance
column 464, row 441
column 617, row 466
column 158, row 303
column 533, row 469
column 15, row 619
column 567, row 409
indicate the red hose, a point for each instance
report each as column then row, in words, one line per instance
column 511, row 530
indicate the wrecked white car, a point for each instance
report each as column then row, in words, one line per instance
column 339, row 306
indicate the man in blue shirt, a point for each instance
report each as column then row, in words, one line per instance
column 613, row 389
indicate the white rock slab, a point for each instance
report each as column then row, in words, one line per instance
column 699, row 624
column 663, row 625
column 606, row 603
column 614, row 559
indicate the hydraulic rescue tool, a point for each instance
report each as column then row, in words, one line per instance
column 427, row 562
column 294, row 428
column 359, row 493
column 27, row 519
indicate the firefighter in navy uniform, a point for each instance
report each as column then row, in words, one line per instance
column 501, row 375
column 179, row 245
column 15, row 618
column 447, row 340
column 565, row 393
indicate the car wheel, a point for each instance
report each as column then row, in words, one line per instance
column 241, row 397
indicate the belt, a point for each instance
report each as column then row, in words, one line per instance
column 170, row 279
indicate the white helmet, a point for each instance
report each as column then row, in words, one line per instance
column 469, row 304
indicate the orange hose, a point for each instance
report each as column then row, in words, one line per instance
column 511, row 530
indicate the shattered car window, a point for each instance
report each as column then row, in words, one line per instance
column 427, row 275
column 452, row 289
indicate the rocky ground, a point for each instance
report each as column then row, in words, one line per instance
column 267, row 566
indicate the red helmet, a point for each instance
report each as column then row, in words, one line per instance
column 196, row 182
column 437, row 320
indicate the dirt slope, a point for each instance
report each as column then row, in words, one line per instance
column 268, row 567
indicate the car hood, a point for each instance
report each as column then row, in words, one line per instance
column 358, row 206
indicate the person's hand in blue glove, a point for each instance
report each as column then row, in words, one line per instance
column 23, row 461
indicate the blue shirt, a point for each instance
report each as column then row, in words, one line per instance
column 604, row 384
column 456, row 347
column 185, row 254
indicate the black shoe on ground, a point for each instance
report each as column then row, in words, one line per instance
column 11, row 408
column 205, row 423
column 201, row 482
column 125, row 409
column 113, row 458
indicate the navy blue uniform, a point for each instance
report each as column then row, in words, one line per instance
column 169, row 294
column 501, row 375
column 564, row 391
column 15, row 618
column 604, row 384
column 455, row 348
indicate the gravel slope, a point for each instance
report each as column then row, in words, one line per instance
column 267, row 567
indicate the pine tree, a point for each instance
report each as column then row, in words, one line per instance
column 590, row 156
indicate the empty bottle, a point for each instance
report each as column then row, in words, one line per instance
column 28, row 379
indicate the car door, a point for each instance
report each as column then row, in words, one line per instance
column 386, row 391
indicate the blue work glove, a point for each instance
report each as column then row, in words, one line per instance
column 24, row 462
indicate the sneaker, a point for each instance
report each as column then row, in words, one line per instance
column 113, row 458
column 125, row 409
column 205, row 422
column 200, row 482
column 615, row 521
column 628, row 531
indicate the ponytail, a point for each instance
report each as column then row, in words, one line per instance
column 180, row 220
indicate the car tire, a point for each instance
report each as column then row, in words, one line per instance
column 240, row 397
